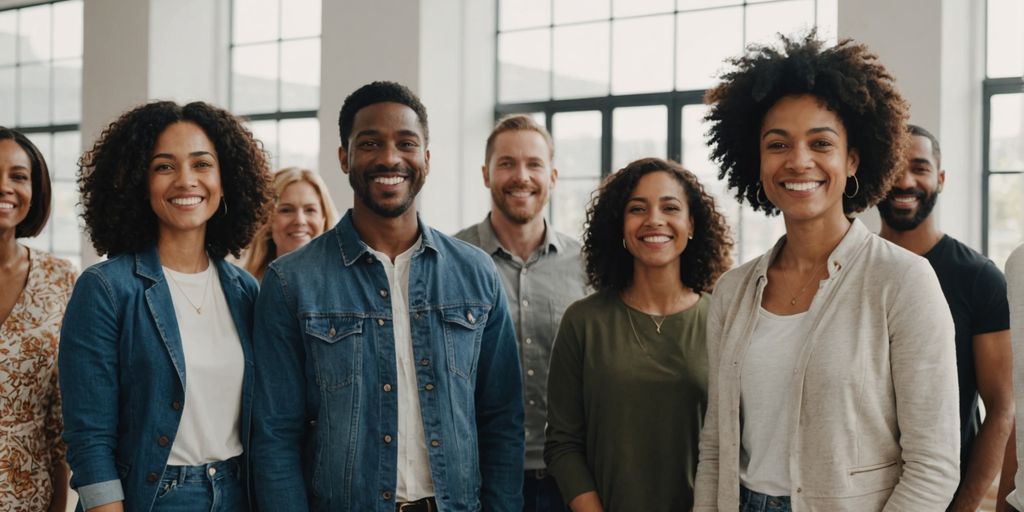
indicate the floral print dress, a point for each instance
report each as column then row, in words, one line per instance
column 30, row 420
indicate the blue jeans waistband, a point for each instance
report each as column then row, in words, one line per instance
column 753, row 501
column 203, row 472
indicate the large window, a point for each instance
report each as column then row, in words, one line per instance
column 40, row 95
column 616, row 80
column 275, row 76
column 1003, row 136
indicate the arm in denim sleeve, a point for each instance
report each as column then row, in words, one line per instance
column 88, row 367
column 279, row 401
column 499, row 410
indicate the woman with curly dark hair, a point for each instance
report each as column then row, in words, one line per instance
column 627, row 387
column 155, row 351
column 831, row 357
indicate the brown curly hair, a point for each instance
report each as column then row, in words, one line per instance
column 610, row 266
column 112, row 179
column 846, row 78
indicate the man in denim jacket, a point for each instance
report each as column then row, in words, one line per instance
column 387, row 372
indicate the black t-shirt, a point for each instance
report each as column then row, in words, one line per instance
column 976, row 292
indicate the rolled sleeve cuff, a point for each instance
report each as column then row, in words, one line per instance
column 100, row 493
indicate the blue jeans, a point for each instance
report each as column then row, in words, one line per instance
column 213, row 487
column 752, row 501
column 540, row 493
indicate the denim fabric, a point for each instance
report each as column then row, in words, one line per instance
column 325, row 409
column 214, row 487
column 122, row 375
column 752, row 501
column 542, row 494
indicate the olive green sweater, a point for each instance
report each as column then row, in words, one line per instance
column 626, row 404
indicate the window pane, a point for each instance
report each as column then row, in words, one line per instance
column 7, row 103
column 1005, row 38
column 8, row 34
column 513, row 14
column 1005, row 215
column 34, row 31
column 524, row 60
column 705, row 39
column 64, row 221
column 683, row 5
column 66, row 149
column 67, row 29
column 642, row 55
column 637, row 7
column 254, row 20
column 300, row 18
column 577, row 137
column 300, row 143
column 43, row 141
column 765, row 21
column 266, row 132
column 581, row 60
column 254, row 78
column 828, row 19
column 638, row 132
column 1006, row 135
column 697, row 159
column 34, row 95
column 569, row 204
column 570, row 11
column 67, row 91
column 300, row 74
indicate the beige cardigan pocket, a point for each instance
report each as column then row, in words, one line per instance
column 875, row 477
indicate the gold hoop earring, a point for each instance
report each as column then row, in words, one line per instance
column 856, row 189
column 759, row 193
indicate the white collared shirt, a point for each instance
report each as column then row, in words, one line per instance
column 414, row 481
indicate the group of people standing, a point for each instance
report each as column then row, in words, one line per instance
column 387, row 366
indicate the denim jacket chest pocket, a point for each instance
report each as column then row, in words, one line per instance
column 335, row 341
column 463, row 327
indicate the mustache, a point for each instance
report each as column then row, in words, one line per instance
column 916, row 192
column 380, row 169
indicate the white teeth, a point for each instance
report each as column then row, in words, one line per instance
column 655, row 239
column 302, row 234
column 521, row 193
column 803, row 185
column 6, row 206
column 904, row 199
column 187, row 201
column 389, row 180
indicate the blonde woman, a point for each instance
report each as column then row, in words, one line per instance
column 302, row 210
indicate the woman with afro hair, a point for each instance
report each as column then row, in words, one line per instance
column 832, row 374
column 155, row 351
column 627, row 388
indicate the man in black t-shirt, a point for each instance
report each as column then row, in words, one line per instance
column 976, row 292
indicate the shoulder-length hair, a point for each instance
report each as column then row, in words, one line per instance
column 39, row 210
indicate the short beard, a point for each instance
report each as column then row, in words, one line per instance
column 904, row 223
column 362, row 192
column 519, row 217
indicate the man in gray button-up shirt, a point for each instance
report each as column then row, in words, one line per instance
column 541, row 269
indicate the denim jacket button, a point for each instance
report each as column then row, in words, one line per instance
column 387, row 388
column 470, row 317
column 176, row 405
column 380, row 321
column 424, row 362
column 435, row 443
column 383, row 292
column 416, row 316
column 386, row 495
column 387, row 438
column 332, row 332
column 429, row 387
column 163, row 441
column 151, row 477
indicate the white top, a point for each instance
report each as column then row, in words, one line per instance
column 414, row 480
column 214, row 366
column 765, row 400
column 1015, row 290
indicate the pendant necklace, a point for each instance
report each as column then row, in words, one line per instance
column 206, row 286
column 792, row 301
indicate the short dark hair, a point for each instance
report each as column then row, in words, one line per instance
column 39, row 210
column 846, row 78
column 379, row 92
column 515, row 123
column 936, row 150
column 609, row 265
column 113, row 181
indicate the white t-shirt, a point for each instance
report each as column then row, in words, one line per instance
column 214, row 366
column 414, row 480
column 766, row 381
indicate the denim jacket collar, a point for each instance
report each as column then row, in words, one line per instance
column 353, row 248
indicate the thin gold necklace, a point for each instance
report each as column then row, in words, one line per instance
column 206, row 286
column 633, row 327
column 792, row 301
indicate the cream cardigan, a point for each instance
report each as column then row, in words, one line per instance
column 875, row 417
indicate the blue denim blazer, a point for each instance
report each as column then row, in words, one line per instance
column 326, row 370
column 122, row 375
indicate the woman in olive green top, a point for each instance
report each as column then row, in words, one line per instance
column 627, row 387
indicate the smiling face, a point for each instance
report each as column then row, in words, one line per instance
column 520, row 175
column 184, row 179
column 805, row 160
column 657, row 222
column 298, row 217
column 387, row 161
column 912, row 198
column 15, row 184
